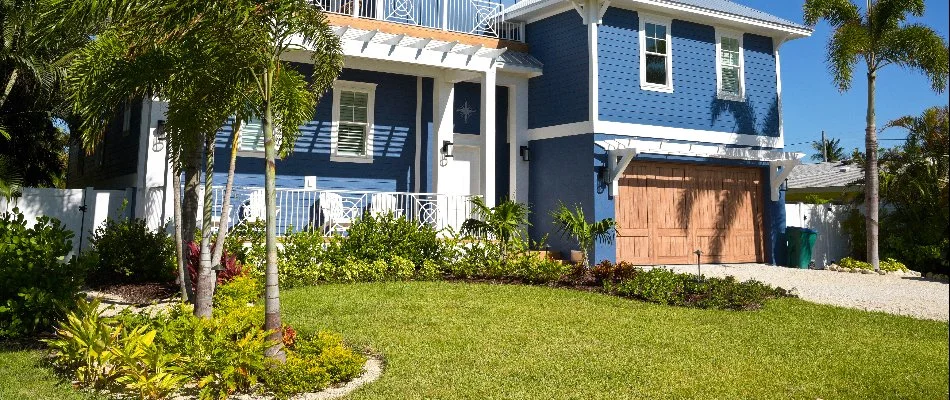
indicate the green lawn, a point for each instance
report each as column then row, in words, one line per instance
column 462, row 341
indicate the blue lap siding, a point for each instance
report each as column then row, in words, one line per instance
column 693, row 104
column 560, row 96
column 394, row 146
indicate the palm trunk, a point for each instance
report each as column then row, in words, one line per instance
column 206, row 276
column 9, row 87
column 226, row 203
column 272, row 321
column 187, row 292
column 189, row 222
column 871, row 191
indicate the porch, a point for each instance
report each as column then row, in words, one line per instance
column 334, row 211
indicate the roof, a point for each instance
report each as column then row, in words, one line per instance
column 519, row 60
column 824, row 175
column 723, row 8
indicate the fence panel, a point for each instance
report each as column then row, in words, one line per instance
column 833, row 243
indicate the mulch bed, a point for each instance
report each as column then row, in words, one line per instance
column 140, row 293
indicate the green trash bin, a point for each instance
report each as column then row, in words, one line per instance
column 801, row 241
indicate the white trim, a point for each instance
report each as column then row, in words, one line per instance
column 668, row 23
column 418, row 165
column 362, row 87
column 488, row 135
column 593, row 91
column 777, row 43
column 721, row 33
column 556, row 131
column 655, row 132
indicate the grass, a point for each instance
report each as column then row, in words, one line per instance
column 23, row 376
column 462, row 341
column 478, row 341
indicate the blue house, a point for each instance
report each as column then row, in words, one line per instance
column 662, row 114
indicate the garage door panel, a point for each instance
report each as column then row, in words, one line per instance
column 666, row 211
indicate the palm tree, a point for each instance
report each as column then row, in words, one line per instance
column 503, row 222
column 831, row 147
column 587, row 234
column 880, row 37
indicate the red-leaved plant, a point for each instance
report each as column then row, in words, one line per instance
column 232, row 269
column 290, row 336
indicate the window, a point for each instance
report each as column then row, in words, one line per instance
column 656, row 58
column 352, row 130
column 252, row 138
column 729, row 64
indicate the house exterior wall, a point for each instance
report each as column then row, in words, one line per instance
column 394, row 144
column 694, row 103
column 560, row 96
column 114, row 163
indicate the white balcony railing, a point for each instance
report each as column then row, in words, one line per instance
column 333, row 211
column 477, row 17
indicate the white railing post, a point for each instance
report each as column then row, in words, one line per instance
column 381, row 9
column 445, row 15
column 356, row 7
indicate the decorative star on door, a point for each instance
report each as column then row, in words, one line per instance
column 466, row 111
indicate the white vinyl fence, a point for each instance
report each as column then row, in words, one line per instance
column 832, row 244
column 79, row 210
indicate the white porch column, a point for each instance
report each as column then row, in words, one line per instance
column 443, row 113
column 517, row 137
column 488, row 135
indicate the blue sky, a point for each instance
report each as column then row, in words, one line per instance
column 811, row 102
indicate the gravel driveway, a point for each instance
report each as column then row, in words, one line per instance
column 904, row 295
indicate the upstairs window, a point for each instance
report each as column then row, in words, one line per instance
column 352, row 132
column 656, row 58
column 729, row 73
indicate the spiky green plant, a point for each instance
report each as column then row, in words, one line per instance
column 573, row 223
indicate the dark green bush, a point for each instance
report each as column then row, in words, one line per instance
column 245, row 241
column 127, row 251
column 37, row 284
column 380, row 237
column 667, row 287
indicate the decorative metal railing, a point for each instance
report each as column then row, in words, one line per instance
column 477, row 17
column 333, row 211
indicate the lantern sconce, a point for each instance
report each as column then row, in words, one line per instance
column 447, row 148
column 160, row 133
column 525, row 153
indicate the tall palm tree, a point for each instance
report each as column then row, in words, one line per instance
column 829, row 151
column 880, row 37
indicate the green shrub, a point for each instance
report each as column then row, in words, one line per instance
column 892, row 265
column 379, row 237
column 245, row 241
column 851, row 263
column 313, row 363
column 478, row 259
column 129, row 252
column 667, row 287
column 302, row 258
column 37, row 285
column 533, row 269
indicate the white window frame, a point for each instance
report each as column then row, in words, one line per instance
column 362, row 87
column 668, row 23
column 245, row 152
column 721, row 33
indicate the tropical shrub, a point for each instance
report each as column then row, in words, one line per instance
column 245, row 242
column 129, row 252
column 379, row 237
column 503, row 223
column 686, row 290
column 230, row 267
column 533, row 269
column 37, row 284
column 313, row 363
column 573, row 223
column 887, row 264
column 608, row 272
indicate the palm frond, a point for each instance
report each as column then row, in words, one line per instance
column 849, row 41
column 921, row 48
column 836, row 12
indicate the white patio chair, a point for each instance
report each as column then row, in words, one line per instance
column 385, row 203
column 335, row 218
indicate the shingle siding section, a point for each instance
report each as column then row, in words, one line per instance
column 560, row 96
column 694, row 104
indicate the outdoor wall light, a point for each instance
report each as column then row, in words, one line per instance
column 160, row 130
column 525, row 153
column 447, row 148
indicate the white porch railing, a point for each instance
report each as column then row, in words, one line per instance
column 333, row 211
column 477, row 17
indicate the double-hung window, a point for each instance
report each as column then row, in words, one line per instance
column 729, row 66
column 656, row 57
column 252, row 138
column 352, row 130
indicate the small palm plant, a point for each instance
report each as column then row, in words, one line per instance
column 574, row 224
column 505, row 221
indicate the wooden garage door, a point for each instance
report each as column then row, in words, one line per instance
column 667, row 211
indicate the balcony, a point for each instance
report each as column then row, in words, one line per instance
column 474, row 17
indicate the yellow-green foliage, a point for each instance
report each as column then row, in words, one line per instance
column 888, row 264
